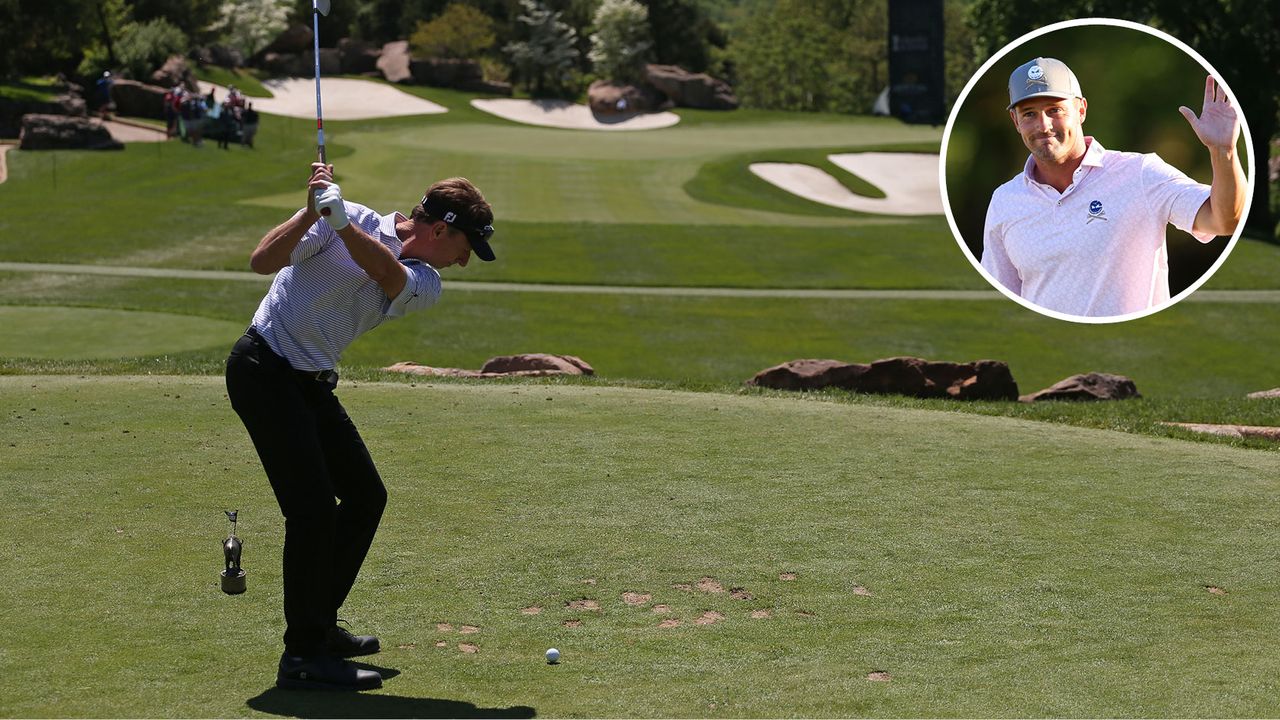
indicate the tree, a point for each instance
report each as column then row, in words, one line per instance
column 682, row 34
column 250, row 25
column 621, row 41
column 545, row 60
column 1240, row 40
column 461, row 31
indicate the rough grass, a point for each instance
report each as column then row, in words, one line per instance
column 997, row 583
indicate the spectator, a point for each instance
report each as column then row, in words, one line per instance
column 250, row 126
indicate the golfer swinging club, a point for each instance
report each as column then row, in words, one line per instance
column 1081, row 229
column 337, row 280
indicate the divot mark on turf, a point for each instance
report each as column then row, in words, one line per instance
column 583, row 604
column 531, row 610
column 709, row 617
column 444, row 627
column 761, row 614
column 634, row 598
column 1215, row 590
column 879, row 676
column 859, row 590
column 442, row 644
column 469, row 648
column 586, row 581
column 572, row 623
column 468, row 630
column 662, row 609
column 710, row 585
column 741, row 594
column 407, row 646
column 804, row 613
column 669, row 623
column 683, row 586
column 787, row 576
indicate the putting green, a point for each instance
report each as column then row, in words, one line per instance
column 73, row 333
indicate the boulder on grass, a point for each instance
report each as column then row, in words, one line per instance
column 286, row 64
column 175, row 71
column 357, row 56
column 979, row 380
column 692, row 90
column 1087, row 386
column 394, row 62
column 558, row 364
column 611, row 98
column 330, row 61
column 63, row 132
column 295, row 39
column 11, row 111
column 135, row 99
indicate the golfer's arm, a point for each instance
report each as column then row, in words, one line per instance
column 376, row 259
column 276, row 247
column 1220, row 214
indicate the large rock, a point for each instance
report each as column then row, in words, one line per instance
column 287, row 64
column 1087, row 386
column 330, row 62
column 175, row 71
column 296, row 39
column 980, row 380
column 135, row 99
column 562, row 364
column 394, row 62
column 445, row 72
column 357, row 56
column 693, row 90
column 610, row 98
column 62, row 132
column 11, row 111
column 532, row 365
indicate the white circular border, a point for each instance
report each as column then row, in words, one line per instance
column 964, row 94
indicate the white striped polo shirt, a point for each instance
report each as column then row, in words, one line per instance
column 323, row 300
column 1098, row 248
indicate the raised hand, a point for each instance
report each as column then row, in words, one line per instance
column 1218, row 125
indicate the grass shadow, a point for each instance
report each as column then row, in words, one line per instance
column 295, row 703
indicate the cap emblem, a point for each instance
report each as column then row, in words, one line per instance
column 1096, row 212
column 1035, row 72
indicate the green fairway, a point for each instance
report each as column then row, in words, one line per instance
column 955, row 553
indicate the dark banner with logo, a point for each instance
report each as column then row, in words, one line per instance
column 916, row 77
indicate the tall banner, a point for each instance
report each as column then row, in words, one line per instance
column 916, row 76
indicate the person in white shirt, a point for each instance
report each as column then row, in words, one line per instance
column 335, row 280
column 1080, row 230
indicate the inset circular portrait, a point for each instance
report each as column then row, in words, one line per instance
column 1096, row 170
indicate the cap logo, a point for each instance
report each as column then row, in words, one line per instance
column 450, row 216
column 1035, row 73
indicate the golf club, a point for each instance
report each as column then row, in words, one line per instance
column 318, row 8
column 232, row 575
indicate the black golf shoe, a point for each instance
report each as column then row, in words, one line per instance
column 340, row 643
column 322, row 672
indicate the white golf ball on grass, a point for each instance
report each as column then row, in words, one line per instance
column 553, row 656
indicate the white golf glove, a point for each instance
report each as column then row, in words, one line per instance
column 331, row 199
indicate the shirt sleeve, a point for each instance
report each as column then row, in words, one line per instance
column 1172, row 196
column 421, row 289
column 995, row 258
column 316, row 238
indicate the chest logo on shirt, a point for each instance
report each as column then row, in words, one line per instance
column 1096, row 212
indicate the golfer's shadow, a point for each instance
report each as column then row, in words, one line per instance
column 302, row 703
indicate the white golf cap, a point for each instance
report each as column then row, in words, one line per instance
column 1042, row 77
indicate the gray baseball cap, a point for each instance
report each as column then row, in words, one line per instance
column 1042, row 77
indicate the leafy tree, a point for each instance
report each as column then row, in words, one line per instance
column 683, row 34
column 1240, row 40
column 250, row 25
column 140, row 49
column 621, row 41
column 545, row 60
column 461, row 31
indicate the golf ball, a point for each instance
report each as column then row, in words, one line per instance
column 553, row 656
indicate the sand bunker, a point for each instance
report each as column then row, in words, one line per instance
column 567, row 115
column 342, row 99
column 909, row 182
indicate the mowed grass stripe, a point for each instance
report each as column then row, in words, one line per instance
column 1000, row 582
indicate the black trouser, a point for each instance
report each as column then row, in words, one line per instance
column 312, row 454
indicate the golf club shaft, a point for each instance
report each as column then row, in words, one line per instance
column 315, row 35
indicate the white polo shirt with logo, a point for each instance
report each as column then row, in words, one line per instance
column 1098, row 248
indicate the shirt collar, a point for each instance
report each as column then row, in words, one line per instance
column 387, row 226
column 1093, row 155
